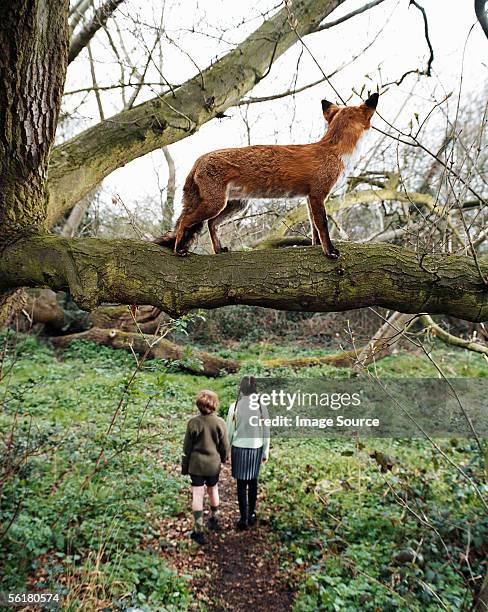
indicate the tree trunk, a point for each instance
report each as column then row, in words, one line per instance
column 33, row 43
column 75, row 218
column 197, row 362
column 33, row 40
column 56, row 311
column 297, row 278
column 148, row 318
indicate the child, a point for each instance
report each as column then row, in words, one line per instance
column 206, row 445
column 250, row 448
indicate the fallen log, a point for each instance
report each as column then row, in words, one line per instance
column 344, row 359
column 147, row 318
column 195, row 361
column 56, row 311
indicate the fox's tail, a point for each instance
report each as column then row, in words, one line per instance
column 166, row 240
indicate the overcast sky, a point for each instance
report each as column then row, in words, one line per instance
column 201, row 31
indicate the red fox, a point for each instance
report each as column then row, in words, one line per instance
column 221, row 182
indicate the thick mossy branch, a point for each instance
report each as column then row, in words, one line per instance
column 296, row 278
column 81, row 163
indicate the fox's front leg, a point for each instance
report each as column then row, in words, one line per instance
column 319, row 219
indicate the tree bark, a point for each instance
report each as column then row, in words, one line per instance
column 33, row 43
column 33, row 40
column 148, row 318
column 80, row 164
column 197, row 362
column 297, row 278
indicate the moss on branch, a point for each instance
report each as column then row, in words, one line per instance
column 95, row 271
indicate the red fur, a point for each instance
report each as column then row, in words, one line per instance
column 270, row 171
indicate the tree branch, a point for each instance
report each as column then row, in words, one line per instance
column 94, row 271
column 100, row 18
column 362, row 9
column 81, row 163
column 448, row 338
column 428, row 69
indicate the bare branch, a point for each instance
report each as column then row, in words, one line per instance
column 99, row 19
column 77, row 13
column 448, row 338
column 95, row 84
column 362, row 9
column 428, row 69
column 168, row 208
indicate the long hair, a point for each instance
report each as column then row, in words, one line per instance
column 248, row 385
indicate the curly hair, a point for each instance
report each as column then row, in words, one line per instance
column 207, row 401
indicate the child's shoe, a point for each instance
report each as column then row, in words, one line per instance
column 253, row 519
column 241, row 524
column 198, row 537
column 213, row 523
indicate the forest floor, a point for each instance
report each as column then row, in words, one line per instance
column 233, row 570
column 335, row 530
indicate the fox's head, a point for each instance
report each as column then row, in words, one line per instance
column 350, row 116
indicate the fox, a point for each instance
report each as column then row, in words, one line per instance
column 222, row 182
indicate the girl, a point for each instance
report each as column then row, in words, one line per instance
column 206, row 445
column 249, row 448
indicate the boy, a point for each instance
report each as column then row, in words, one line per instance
column 205, row 447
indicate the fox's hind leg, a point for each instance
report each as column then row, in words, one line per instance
column 211, row 203
column 231, row 209
column 185, row 236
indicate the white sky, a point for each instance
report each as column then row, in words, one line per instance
column 399, row 47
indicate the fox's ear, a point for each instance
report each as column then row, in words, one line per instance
column 325, row 105
column 372, row 101
column 329, row 109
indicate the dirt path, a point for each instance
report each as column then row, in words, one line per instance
column 234, row 570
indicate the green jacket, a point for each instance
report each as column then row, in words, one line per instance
column 206, row 445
